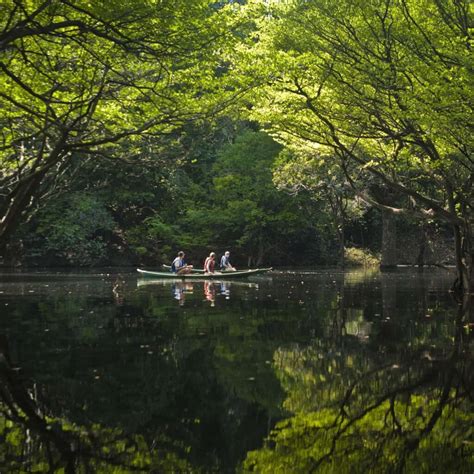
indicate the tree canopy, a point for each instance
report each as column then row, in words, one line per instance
column 385, row 86
column 81, row 78
column 376, row 98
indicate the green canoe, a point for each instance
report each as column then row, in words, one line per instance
column 202, row 276
column 195, row 270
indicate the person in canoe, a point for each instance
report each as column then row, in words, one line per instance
column 226, row 266
column 179, row 265
column 210, row 263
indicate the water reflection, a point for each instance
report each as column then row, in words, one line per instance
column 38, row 439
column 224, row 288
column 321, row 371
column 210, row 292
column 180, row 288
column 375, row 406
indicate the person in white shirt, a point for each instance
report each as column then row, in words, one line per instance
column 226, row 266
column 179, row 265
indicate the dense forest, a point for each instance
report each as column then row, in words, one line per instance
column 290, row 133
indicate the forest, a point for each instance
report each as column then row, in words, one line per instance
column 292, row 133
column 306, row 138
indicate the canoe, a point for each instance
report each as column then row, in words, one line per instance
column 202, row 276
column 202, row 271
column 195, row 270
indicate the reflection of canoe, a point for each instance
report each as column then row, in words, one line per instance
column 150, row 281
column 195, row 270
column 201, row 276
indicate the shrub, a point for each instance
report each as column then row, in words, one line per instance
column 356, row 257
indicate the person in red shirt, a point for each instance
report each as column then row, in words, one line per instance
column 210, row 263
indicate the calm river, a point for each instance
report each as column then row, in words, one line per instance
column 305, row 371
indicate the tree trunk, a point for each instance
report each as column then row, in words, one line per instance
column 20, row 198
column 15, row 208
column 260, row 250
column 420, row 260
column 389, row 240
column 469, row 257
column 341, row 245
column 464, row 244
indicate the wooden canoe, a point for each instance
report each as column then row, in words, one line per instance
column 202, row 276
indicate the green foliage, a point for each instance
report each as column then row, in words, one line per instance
column 245, row 211
column 361, row 96
column 153, row 237
column 73, row 230
column 318, row 176
column 359, row 257
column 82, row 80
column 384, row 87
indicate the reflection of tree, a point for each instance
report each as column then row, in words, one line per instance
column 205, row 378
column 199, row 380
column 36, row 442
column 357, row 416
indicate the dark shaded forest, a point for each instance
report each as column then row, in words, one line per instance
column 212, row 189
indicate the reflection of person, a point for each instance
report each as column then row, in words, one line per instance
column 179, row 265
column 210, row 292
column 117, row 290
column 226, row 266
column 180, row 289
column 225, row 290
column 210, row 263
column 178, row 293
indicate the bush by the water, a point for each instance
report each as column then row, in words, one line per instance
column 357, row 257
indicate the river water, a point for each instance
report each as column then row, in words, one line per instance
column 292, row 371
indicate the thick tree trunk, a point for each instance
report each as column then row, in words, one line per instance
column 389, row 240
column 14, row 209
column 464, row 244
column 469, row 256
column 20, row 198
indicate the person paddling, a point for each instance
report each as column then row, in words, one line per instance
column 179, row 265
column 210, row 263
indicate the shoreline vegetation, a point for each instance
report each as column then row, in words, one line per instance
column 315, row 133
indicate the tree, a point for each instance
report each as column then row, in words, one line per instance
column 74, row 230
column 245, row 210
column 78, row 79
column 385, row 86
column 316, row 173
